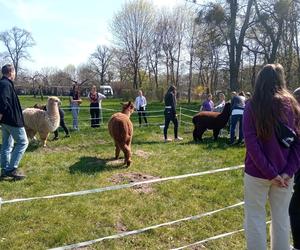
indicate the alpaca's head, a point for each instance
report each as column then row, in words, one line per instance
column 53, row 101
column 127, row 108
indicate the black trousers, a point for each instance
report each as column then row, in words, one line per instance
column 141, row 112
column 170, row 116
column 294, row 211
column 95, row 114
column 63, row 125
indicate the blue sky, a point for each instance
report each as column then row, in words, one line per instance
column 65, row 31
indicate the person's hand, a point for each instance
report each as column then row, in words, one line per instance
column 286, row 178
column 279, row 181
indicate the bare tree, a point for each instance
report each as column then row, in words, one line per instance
column 101, row 60
column 233, row 20
column 130, row 28
column 154, row 51
column 173, row 30
column 272, row 15
column 17, row 42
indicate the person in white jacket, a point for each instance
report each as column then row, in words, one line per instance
column 140, row 105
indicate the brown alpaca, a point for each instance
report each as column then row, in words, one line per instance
column 210, row 120
column 121, row 130
column 41, row 121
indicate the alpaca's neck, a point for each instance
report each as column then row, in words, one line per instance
column 126, row 112
column 52, row 110
column 225, row 113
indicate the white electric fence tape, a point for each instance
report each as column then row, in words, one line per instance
column 212, row 238
column 120, row 235
column 123, row 186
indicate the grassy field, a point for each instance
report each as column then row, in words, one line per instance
column 85, row 161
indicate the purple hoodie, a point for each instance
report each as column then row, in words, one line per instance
column 267, row 159
column 208, row 105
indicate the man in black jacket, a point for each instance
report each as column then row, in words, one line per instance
column 14, row 138
column 170, row 113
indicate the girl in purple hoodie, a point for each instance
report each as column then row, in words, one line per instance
column 269, row 166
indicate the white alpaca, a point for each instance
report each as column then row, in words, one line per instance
column 41, row 121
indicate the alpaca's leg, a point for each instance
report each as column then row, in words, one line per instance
column 30, row 133
column 196, row 134
column 216, row 133
column 201, row 131
column 127, row 153
column 117, row 151
column 43, row 137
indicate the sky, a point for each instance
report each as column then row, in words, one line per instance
column 65, row 31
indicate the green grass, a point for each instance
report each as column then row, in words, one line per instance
column 84, row 161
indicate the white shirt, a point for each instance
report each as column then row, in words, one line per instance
column 140, row 102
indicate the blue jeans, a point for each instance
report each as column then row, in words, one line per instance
column 75, row 113
column 234, row 120
column 14, row 144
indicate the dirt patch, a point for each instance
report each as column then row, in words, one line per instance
column 101, row 142
column 56, row 149
column 134, row 177
column 120, row 227
column 142, row 154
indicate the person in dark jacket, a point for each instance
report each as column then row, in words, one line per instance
column 294, row 209
column 14, row 138
column 61, row 124
column 269, row 166
column 237, row 107
column 170, row 113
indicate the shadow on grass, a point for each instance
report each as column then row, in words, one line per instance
column 210, row 143
column 33, row 146
column 92, row 165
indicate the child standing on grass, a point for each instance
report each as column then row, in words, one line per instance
column 269, row 166
column 294, row 209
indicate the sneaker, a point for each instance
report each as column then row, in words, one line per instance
column 55, row 139
column 231, row 143
column 168, row 140
column 241, row 142
column 15, row 174
column 178, row 139
column 67, row 135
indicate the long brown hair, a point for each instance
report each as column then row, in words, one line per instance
column 269, row 96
